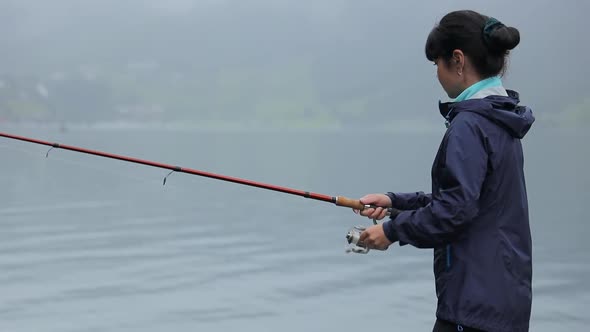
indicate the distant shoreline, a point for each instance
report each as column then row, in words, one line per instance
column 402, row 125
column 413, row 126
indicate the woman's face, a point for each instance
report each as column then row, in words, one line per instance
column 449, row 77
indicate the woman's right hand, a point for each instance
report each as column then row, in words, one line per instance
column 382, row 202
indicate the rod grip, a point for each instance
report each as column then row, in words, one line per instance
column 349, row 202
column 356, row 204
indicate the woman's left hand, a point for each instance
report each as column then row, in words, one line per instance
column 374, row 238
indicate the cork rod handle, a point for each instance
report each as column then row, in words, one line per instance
column 349, row 202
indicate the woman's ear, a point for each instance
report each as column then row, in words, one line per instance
column 458, row 61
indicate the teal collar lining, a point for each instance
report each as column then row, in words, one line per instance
column 492, row 82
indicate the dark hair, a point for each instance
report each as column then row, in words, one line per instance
column 483, row 39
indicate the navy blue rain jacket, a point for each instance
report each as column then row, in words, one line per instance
column 476, row 218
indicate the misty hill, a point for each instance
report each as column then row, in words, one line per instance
column 276, row 61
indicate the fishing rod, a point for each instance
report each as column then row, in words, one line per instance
column 337, row 200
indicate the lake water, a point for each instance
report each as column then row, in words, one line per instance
column 93, row 244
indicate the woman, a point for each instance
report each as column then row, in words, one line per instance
column 476, row 217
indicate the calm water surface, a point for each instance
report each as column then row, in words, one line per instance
column 91, row 244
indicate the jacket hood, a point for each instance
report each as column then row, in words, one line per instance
column 502, row 110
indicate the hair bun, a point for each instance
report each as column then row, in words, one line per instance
column 500, row 38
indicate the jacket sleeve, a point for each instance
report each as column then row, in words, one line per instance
column 409, row 201
column 455, row 203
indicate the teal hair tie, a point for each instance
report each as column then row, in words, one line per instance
column 491, row 25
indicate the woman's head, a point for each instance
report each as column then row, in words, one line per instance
column 467, row 47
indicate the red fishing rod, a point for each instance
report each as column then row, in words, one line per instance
column 338, row 200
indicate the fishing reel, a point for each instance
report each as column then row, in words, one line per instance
column 353, row 236
column 353, row 243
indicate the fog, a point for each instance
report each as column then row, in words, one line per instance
column 284, row 63
column 333, row 97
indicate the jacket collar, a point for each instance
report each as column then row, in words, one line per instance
column 448, row 110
